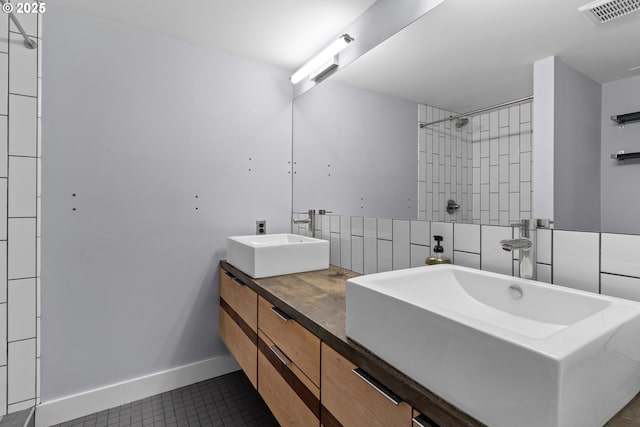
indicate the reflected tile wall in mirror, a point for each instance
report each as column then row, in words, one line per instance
column 484, row 166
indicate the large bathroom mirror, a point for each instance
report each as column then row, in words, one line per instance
column 365, row 142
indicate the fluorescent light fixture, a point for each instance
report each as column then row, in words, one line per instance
column 322, row 58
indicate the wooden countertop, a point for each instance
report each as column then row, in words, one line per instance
column 316, row 300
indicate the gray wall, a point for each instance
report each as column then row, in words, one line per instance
column 576, row 150
column 355, row 152
column 620, row 203
column 155, row 151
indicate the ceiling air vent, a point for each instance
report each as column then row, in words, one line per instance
column 603, row 11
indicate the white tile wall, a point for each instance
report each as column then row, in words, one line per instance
column 357, row 254
column 620, row 286
column 401, row 245
column 19, row 190
column 420, row 233
column 22, row 248
column 620, row 254
column 419, row 255
column 466, row 259
column 566, row 258
column 345, row 242
column 576, row 260
column 21, row 370
column 385, row 255
column 494, row 258
column 466, row 237
column 370, row 245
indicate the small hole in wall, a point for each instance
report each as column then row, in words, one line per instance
column 74, row 209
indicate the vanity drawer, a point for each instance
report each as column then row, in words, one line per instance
column 297, row 343
column 292, row 401
column 238, row 323
column 348, row 399
column 242, row 299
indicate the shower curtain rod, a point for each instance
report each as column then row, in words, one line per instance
column 481, row 110
column 28, row 42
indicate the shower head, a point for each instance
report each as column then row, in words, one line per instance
column 461, row 122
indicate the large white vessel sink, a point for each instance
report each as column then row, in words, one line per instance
column 507, row 351
column 275, row 254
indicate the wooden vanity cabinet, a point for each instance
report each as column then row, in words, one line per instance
column 288, row 367
column 239, row 323
column 350, row 397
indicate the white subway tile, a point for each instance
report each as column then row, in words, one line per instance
column 3, row 272
column 4, row 78
column 326, row 227
column 3, row 208
column 444, row 229
column 494, row 258
column 357, row 226
column 335, row 223
column 543, row 240
column 484, row 197
column 514, row 207
column 385, row 255
column 21, row 371
column 23, row 67
column 385, row 228
column 621, row 254
column 576, row 260
column 345, row 242
column 4, row 31
column 370, row 246
column 504, row 117
column 516, row 268
column 466, row 259
column 420, row 233
column 401, row 242
column 525, row 137
column 334, row 249
column 22, row 126
column 525, row 196
column 484, row 217
column 620, row 286
column 22, row 248
column 21, row 310
column 525, row 166
column 419, row 255
column 494, row 206
column 3, row 380
column 525, row 112
column 3, row 336
column 4, row 146
column 514, row 119
column 22, row 187
column 357, row 254
column 21, row 405
column 38, row 296
column 422, row 113
column 466, row 237
column 476, row 206
column 543, row 273
column 29, row 22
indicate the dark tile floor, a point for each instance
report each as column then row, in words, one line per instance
column 229, row 400
column 22, row 418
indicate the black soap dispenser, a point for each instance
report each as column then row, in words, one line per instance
column 437, row 257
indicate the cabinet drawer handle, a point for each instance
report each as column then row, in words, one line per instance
column 280, row 355
column 375, row 384
column 424, row 421
column 237, row 282
column 281, row 314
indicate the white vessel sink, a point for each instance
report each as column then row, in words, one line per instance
column 507, row 351
column 275, row 254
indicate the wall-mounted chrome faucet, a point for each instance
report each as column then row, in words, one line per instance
column 311, row 220
column 524, row 244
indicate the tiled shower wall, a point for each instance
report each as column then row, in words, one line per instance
column 484, row 166
column 20, row 207
column 444, row 167
column 596, row 262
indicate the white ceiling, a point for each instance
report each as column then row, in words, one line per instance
column 463, row 55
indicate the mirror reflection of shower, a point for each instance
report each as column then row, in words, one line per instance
column 481, row 159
